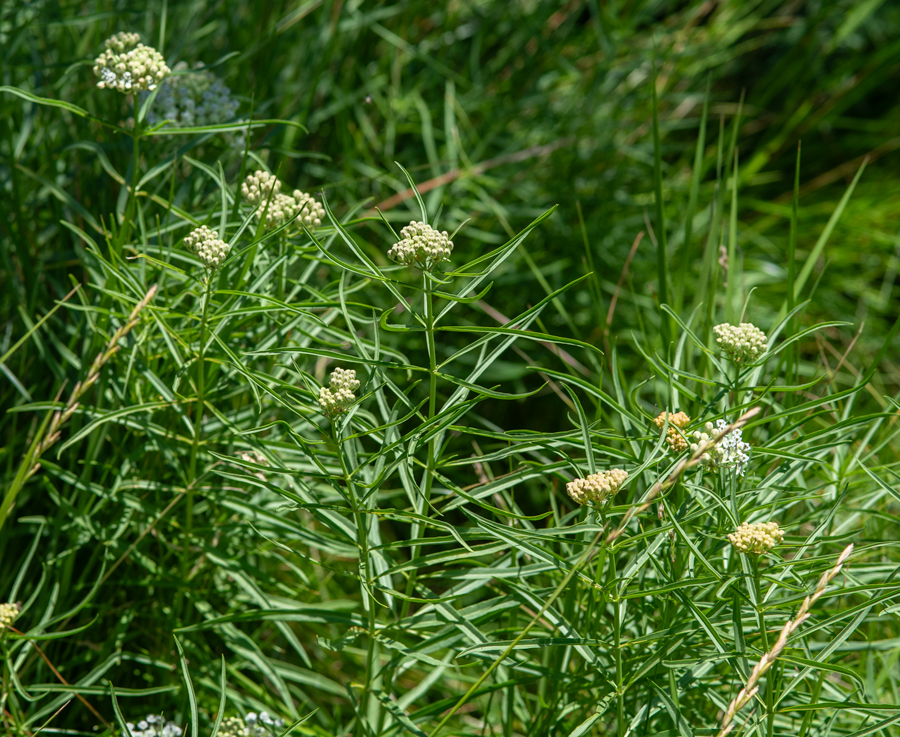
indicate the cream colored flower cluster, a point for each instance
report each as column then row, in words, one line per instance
column 261, row 190
column 730, row 452
column 192, row 98
column 210, row 249
column 153, row 726
column 422, row 246
column 128, row 66
column 757, row 538
column 598, row 487
column 335, row 399
column 742, row 344
column 252, row 725
column 8, row 614
column 677, row 421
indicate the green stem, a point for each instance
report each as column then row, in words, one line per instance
column 198, row 421
column 366, row 579
column 617, row 635
column 761, row 619
column 125, row 230
column 431, row 461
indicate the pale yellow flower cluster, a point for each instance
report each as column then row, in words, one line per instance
column 756, row 538
column 598, row 487
column 128, row 66
column 674, row 438
column 339, row 395
column 422, row 246
column 742, row 344
column 8, row 614
column 208, row 247
column 261, row 190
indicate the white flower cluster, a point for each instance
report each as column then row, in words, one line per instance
column 252, row 725
column 210, row 249
column 730, row 452
column 8, row 614
column 756, row 539
column 192, row 98
column 422, row 246
column 153, row 726
column 598, row 487
column 261, row 190
column 128, row 66
column 742, row 344
column 339, row 396
column 674, row 438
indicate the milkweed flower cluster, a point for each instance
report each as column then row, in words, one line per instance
column 339, row 395
column 191, row 98
column 598, row 487
column 8, row 614
column 261, row 190
column 208, row 247
column 252, row 725
column 153, row 726
column 730, row 452
column 677, row 421
column 742, row 344
column 128, row 66
column 422, row 246
column 756, row 538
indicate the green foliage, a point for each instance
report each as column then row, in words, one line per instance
column 190, row 534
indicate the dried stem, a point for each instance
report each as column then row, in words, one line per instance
column 768, row 659
column 111, row 348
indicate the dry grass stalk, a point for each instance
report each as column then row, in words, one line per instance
column 111, row 348
column 768, row 659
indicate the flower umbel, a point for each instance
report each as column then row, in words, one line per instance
column 261, row 190
column 756, row 538
column 731, row 452
column 210, row 249
column 335, row 400
column 262, row 725
column 598, row 487
column 422, row 246
column 8, row 614
column 742, row 344
column 677, row 421
column 191, row 98
column 128, row 66
column 153, row 726
column 233, row 727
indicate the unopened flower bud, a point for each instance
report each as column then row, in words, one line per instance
column 742, row 344
column 756, row 539
column 598, row 487
column 208, row 247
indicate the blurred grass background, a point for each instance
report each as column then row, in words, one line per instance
column 520, row 106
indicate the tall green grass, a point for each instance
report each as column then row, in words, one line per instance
column 201, row 541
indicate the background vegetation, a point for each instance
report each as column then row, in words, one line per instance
column 233, row 528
